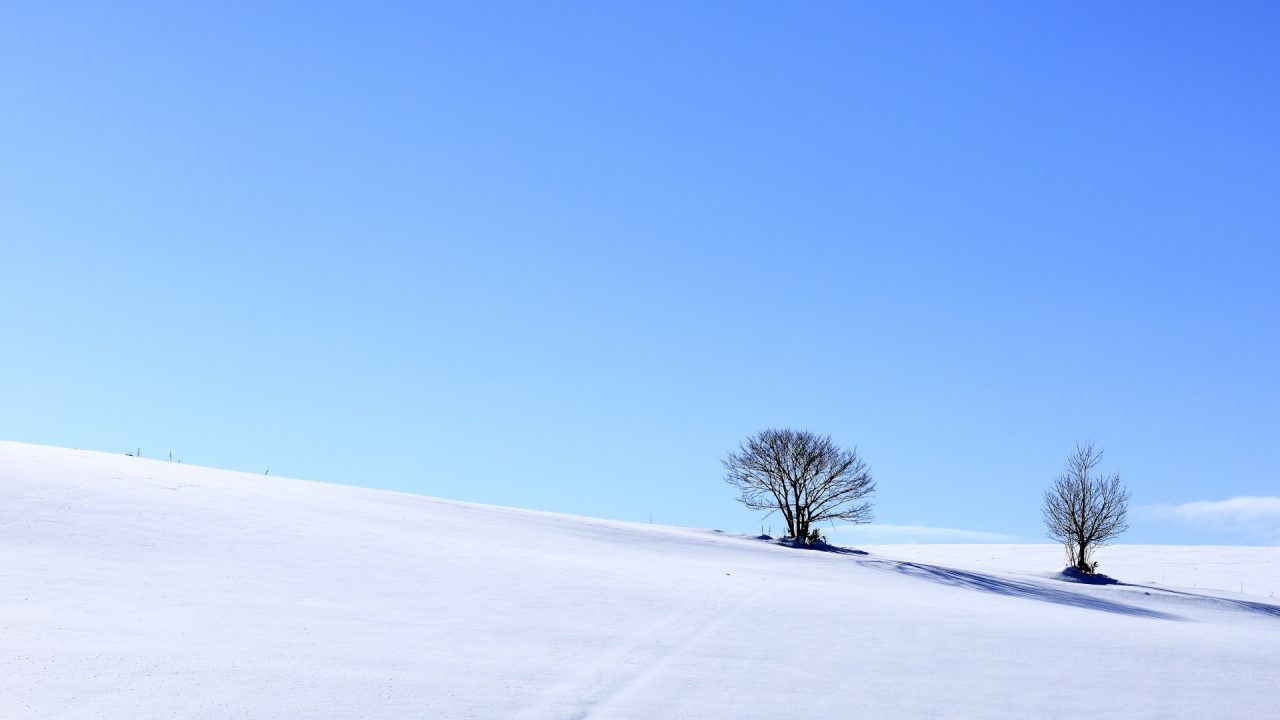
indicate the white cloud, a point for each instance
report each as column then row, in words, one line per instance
column 884, row 533
column 1256, row 515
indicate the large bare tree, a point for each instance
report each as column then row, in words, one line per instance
column 1083, row 510
column 804, row 476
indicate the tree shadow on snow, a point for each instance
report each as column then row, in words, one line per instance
column 1013, row 588
column 1073, row 575
column 818, row 546
column 823, row 547
column 1245, row 605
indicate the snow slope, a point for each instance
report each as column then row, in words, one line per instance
column 132, row 588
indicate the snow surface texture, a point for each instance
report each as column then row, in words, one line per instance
column 133, row 588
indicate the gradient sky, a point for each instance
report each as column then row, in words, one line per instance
column 566, row 256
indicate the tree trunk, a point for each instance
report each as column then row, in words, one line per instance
column 789, row 514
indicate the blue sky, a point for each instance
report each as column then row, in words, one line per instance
column 566, row 256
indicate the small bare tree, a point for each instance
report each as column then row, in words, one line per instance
column 804, row 476
column 1083, row 511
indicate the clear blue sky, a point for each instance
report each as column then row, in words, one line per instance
column 566, row 256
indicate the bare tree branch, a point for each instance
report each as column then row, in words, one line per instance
column 1082, row 510
column 804, row 476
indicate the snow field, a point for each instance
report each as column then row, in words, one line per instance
column 133, row 588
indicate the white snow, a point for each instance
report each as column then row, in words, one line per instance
column 1226, row 570
column 134, row 588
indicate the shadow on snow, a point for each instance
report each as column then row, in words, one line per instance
column 1013, row 588
column 1034, row 591
column 1245, row 605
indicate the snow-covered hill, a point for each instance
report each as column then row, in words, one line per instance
column 134, row 589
